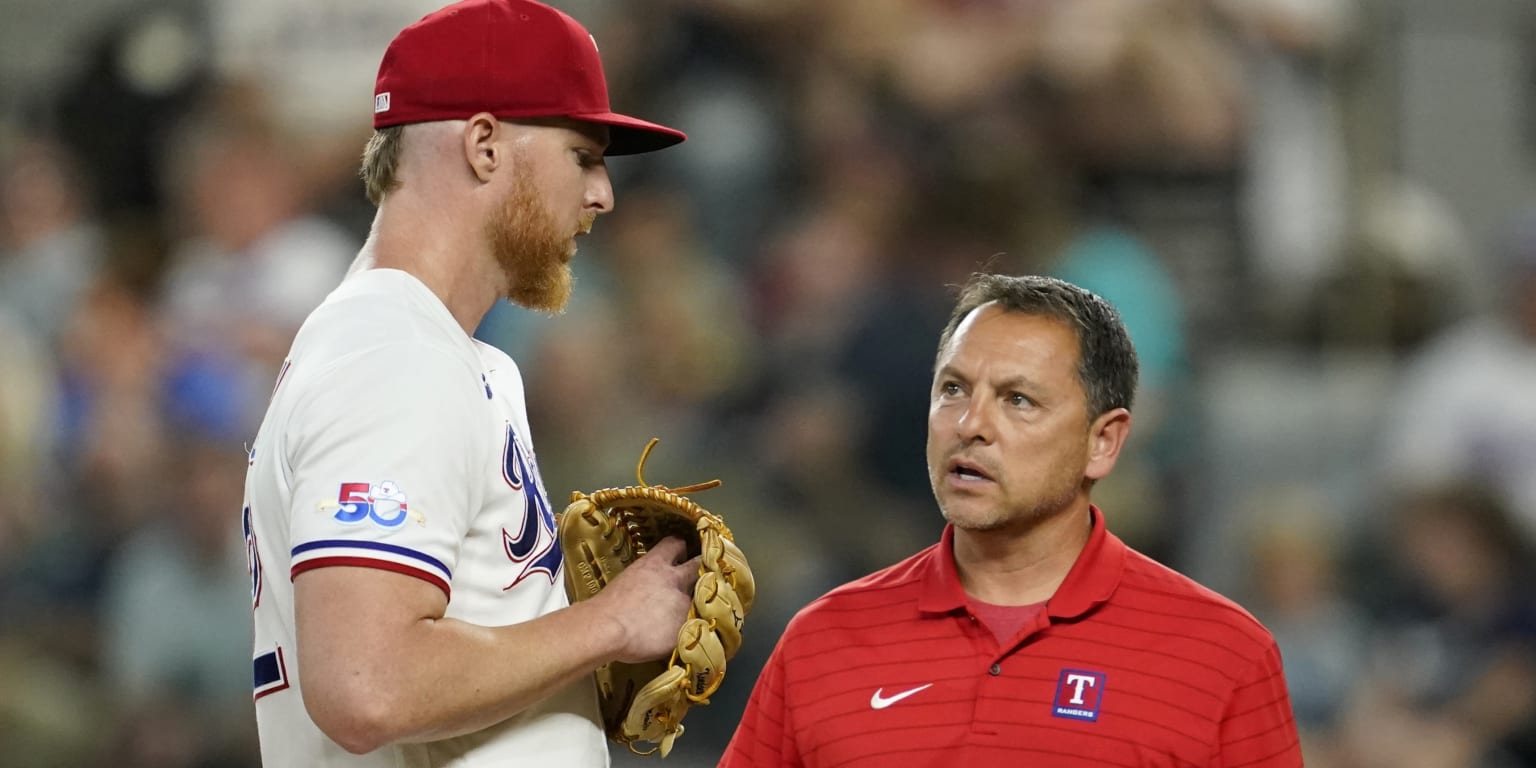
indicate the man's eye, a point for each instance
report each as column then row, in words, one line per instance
column 1018, row 400
column 949, row 388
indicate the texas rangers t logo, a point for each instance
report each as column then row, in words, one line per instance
column 1078, row 695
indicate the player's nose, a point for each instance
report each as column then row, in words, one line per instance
column 599, row 198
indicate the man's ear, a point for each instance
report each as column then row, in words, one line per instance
column 482, row 145
column 1106, row 436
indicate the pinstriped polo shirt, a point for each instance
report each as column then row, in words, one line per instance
column 1130, row 664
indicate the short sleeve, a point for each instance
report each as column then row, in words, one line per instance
column 380, row 449
column 763, row 737
column 1258, row 728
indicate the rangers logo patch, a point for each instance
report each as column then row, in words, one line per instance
column 1078, row 695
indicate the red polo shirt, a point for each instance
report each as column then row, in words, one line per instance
column 1131, row 664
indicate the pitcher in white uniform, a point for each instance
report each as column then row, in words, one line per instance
column 409, row 605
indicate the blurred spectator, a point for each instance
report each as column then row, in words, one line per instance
column 52, row 714
column 684, row 308
column 810, row 287
column 939, row 58
column 584, row 434
column 26, row 466
column 113, row 436
column 50, row 248
column 137, row 68
column 1407, row 272
column 1452, row 665
column 176, row 613
column 283, row 46
column 1142, row 83
column 251, row 260
column 108, row 441
column 1296, row 197
column 1297, row 585
column 656, row 306
column 1464, row 407
column 46, row 716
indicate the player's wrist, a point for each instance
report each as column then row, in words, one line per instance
column 605, row 631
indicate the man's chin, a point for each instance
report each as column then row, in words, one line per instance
column 969, row 517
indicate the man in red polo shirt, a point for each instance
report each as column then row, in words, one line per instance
column 1029, row 635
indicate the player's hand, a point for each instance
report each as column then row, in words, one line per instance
column 650, row 601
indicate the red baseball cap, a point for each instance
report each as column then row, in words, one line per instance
column 511, row 58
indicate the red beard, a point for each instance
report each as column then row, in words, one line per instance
column 532, row 251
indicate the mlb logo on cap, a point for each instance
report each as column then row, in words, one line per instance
column 511, row 58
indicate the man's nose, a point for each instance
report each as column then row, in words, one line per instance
column 976, row 422
column 600, row 192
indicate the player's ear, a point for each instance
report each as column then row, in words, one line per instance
column 482, row 145
column 1106, row 436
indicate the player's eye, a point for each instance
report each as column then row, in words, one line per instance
column 949, row 389
column 1019, row 400
column 588, row 159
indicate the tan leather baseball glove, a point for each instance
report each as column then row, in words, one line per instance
column 601, row 533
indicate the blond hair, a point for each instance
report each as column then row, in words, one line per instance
column 381, row 161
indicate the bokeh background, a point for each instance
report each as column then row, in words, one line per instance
column 1315, row 215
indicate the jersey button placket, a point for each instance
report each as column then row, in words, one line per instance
column 985, row 733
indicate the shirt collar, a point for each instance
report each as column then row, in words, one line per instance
column 1094, row 576
column 1091, row 581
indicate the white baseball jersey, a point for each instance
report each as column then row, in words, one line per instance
column 395, row 441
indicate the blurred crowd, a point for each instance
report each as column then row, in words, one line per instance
column 1337, row 419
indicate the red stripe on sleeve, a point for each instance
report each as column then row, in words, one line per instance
column 368, row 562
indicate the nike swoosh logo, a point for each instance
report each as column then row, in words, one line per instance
column 878, row 701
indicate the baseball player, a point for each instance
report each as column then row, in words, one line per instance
column 409, row 604
column 1029, row 635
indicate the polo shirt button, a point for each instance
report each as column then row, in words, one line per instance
column 997, row 669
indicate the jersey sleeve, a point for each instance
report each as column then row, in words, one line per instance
column 764, row 736
column 380, row 450
column 1258, row 728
